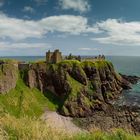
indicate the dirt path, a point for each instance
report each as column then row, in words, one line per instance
column 60, row 122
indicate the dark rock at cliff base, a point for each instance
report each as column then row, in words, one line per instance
column 131, row 79
column 82, row 87
column 113, row 118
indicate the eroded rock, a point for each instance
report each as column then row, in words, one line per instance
column 82, row 87
column 8, row 77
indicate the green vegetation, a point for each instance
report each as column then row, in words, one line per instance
column 8, row 61
column 113, row 135
column 25, row 128
column 102, row 63
column 23, row 101
column 90, row 88
column 88, row 64
column 21, row 108
column 76, row 86
column 70, row 62
column 99, row 64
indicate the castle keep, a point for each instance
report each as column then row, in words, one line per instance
column 53, row 57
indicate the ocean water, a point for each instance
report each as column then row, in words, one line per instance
column 129, row 66
column 123, row 64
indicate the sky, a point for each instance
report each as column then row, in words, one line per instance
column 80, row 27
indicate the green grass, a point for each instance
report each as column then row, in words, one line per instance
column 25, row 101
column 87, row 64
column 70, row 62
column 25, row 128
column 76, row 86
column 101, row 64
column 117, row 134
column 76, row 89
column 9, row 61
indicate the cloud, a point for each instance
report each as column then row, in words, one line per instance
column 23, row 45
column 26, row 17
column 23, row 48
column 110, row 31
column 19, row 29
column 15, row 32
column 67, row 24
column 118, row 32
column 87, row 49
column 28, row 9
column 77, row 5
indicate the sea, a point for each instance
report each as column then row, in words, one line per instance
column 128, row 65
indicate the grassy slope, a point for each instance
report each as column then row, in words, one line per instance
column 25, row 128
column 23, row 101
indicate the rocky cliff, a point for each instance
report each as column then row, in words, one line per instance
column 84, row 90
column 82, row 87
column 8, row 76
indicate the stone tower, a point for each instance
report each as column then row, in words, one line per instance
column 48, row 56
column 53, row 57
column 57, row 56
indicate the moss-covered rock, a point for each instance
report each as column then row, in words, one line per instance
column 75, row 70
column 82, row 87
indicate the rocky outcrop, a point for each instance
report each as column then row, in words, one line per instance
column 131, row 79
column 8, row 76
column 82, row 87
column 124, row 118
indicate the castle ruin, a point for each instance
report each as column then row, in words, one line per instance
column 53, row 57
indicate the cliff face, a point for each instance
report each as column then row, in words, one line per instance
column 8, row 77
column 82, row 87
column 84, row 90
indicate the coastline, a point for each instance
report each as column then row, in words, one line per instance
column 53, row 77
